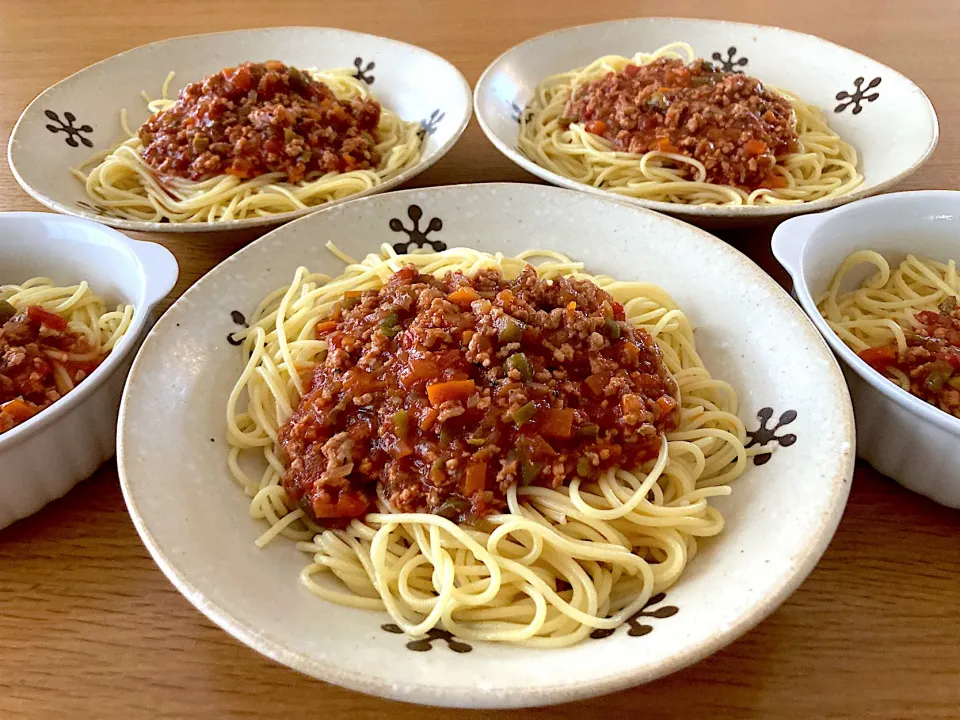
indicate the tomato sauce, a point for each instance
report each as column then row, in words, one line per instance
column 261, row 118
column 438, row 395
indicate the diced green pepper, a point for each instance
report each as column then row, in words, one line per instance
column 588, row 431
column 438, row 471
column 948, row 305
column 583, row 466
column 614, row 327
column 511, row 332
column 940, row 372
column 529, row 471
column 401, row 423
column 520, row 363
column 954, row 382
column 389, row 326
column 446, row 436
column 7, row 311
column 524, row 414
column 477, row 441
column 452, row 508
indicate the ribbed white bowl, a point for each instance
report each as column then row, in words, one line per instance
column 44, row 457
column 902, row 436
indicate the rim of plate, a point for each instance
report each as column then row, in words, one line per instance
column 472, row 697
column 705, row 211
column 422, row 165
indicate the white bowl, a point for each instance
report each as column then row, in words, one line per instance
column 196, row 521
column 41, row 459
column 913, row 442
column 894, row 133
column 80, row 115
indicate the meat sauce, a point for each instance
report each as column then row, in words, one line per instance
column 728, row 121
column 261, row 118
column 438, row 395
column 932, row 359
column 33, row 344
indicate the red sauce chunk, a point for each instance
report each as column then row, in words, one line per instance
column 729, row 122
column 932, row 359
column 438, row 395
column 261, row 118
column 33, row 344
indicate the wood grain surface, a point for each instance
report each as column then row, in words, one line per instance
column 90, row 628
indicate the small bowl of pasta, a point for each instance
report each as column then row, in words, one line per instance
column 75, row 302
column 879, row 279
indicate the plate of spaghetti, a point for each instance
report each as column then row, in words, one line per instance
column 705, row 118
column 446, row 452
column 237, row 129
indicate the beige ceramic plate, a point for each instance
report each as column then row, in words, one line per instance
column 80, row 115
column 780, row 517
column 885, row 116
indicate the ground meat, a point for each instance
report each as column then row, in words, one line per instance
column 33, row 343
column 451, row 390
column 728, row 121
column 261, row 118
column 932, row 359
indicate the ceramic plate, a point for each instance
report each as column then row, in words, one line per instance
column 80, row 115
column 780, row 517
column 886, row 117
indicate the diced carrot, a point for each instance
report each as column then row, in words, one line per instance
column 664, row 145
column 755, row 147
column 769, row 117
column 463, row 296
column 597, row 383
column 360, row 382
column 556, row 422
column 325, row 327
column 665, row 405
column 571, row 306
column 353, row 293
column 429, row 419
column 505, row 296
column 774, row 181
column 885, row 355
column 596, row 127
column 476, row 479
column 45, row 317
column 440, row 393
column 467, row 336
column 350, row 504
column 18, row 409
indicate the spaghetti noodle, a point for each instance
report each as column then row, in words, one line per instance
column 123, row 182
column 903, row 321
column 557, row 563
column 818, row 165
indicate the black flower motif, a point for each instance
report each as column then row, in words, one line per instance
column 363, row 71
column 417, row 237
column 858, row 96
column 238, row 319
column 519, row 112
column 97, row 209
column 67, row 126
column 426, row 643
column 429, row 125
column 637, row 628
column 764, row 435
column 728, row 63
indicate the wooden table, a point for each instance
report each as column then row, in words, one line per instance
column 90, row 628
